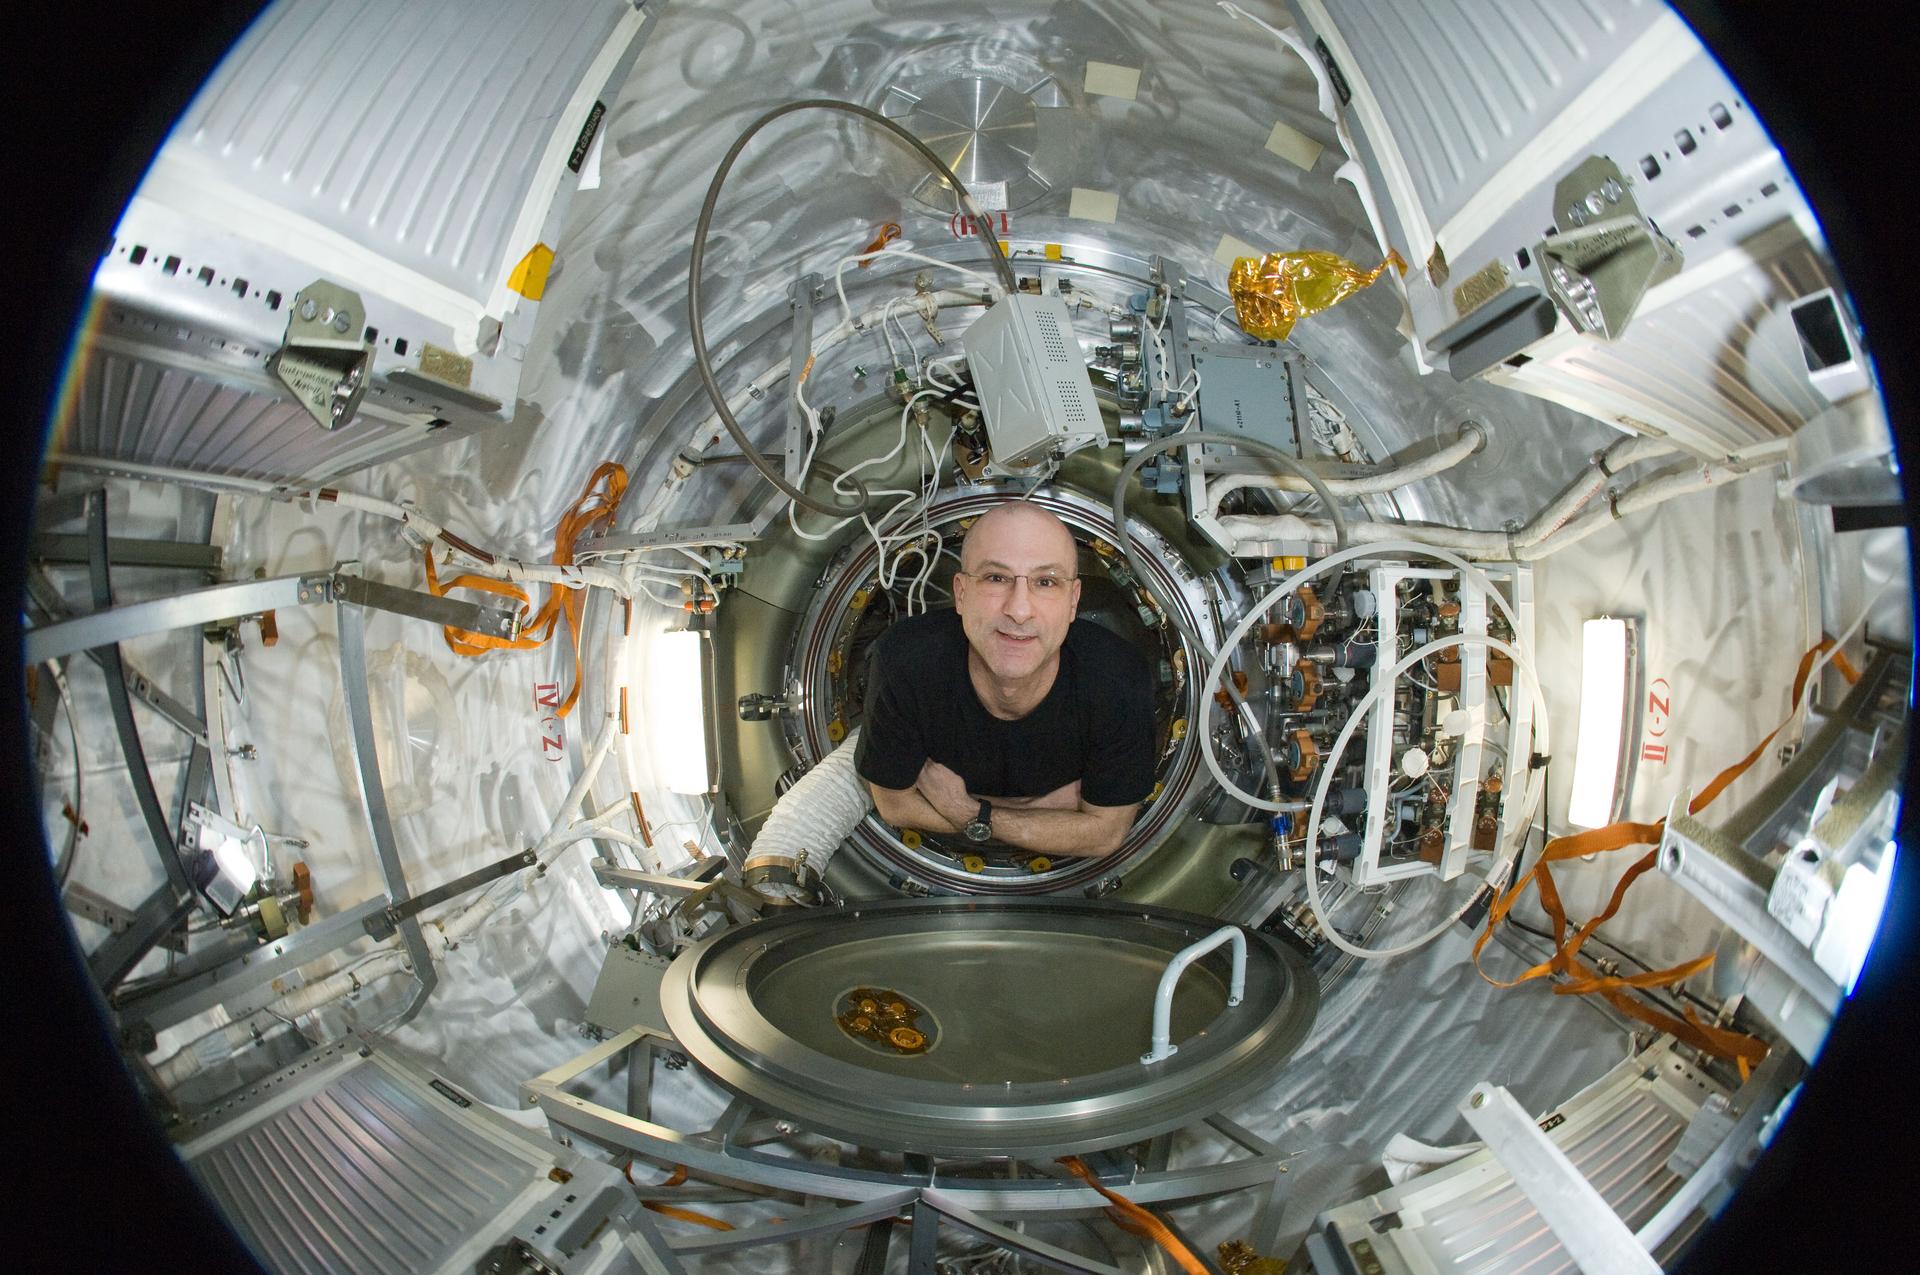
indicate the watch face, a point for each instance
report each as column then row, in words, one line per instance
column 978, row 831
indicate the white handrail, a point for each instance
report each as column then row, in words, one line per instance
column 1163, row 1046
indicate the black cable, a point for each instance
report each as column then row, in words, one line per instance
column 696, row 328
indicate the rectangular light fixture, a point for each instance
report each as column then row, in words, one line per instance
column 1605, row 650
column 676, row 711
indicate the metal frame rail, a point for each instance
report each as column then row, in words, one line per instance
column 235, row 970
column 725, row 1155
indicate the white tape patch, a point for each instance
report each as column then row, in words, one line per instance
column 1292, row 145
column 1093, row 205
column 1231, row 247
column 1107, row 80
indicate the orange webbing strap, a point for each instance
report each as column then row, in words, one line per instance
column 674, row 1210
column 687, row 1215
column 1583, row 979
column 598, row 503
column 1131, row 1217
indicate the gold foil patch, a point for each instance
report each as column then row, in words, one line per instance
column 1272, row 293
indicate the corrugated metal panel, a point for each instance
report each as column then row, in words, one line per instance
column 133, row 408
column 413, row 129
column 1692, row 368
column 1464, row 84
column 1495, row 1230
column 366, row 1174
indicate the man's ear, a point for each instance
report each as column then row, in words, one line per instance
column 1073, row 605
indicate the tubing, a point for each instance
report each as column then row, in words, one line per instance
column 1290, row 585
column 696, row 327
column 1551, row 530
column 814, row 816
column 1472, row 438
column 1522, row 826
column 1127, row 472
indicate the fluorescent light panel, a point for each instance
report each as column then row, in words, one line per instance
column 1603, row 710
column 676, row 721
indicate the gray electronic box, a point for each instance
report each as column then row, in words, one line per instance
column 1033, row 384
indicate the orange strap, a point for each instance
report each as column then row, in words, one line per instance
column 688, row 1215
column 1132, row 1218
column 599, row 501
column 1583, row 979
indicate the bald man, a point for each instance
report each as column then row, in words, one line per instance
column 1007, row 719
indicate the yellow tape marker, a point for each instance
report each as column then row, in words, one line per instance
column 1093, row 205
column 529, row 278
column 1292, row 145
column 1108, row 80
column 1231, row 249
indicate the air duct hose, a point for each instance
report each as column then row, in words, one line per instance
column 807, row 825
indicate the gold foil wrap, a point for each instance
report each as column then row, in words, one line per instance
column 1237, row 1257
column 1274, row 292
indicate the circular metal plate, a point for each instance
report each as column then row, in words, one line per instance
column 966, row 1026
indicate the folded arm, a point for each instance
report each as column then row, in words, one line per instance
column 1059, row 823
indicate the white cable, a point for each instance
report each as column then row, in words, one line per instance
column 1813, row 670
column 1521, row 825
column 840, row 287
column 1471, row 440
column 1290, row 585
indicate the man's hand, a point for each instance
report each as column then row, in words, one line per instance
column 947, row 793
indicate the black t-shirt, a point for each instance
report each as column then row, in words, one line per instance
column 1095, row 724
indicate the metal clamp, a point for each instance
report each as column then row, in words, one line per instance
column 1163, row 1046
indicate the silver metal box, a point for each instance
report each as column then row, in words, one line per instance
column 1033, row 384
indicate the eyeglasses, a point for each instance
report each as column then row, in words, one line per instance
column 996, row 584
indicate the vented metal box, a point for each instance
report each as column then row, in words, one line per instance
column 1033, row 384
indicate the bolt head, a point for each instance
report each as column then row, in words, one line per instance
column 309, row 308
column 1479, row 1100
column 342, row 321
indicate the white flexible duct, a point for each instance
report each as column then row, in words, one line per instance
column 1551, row 531
column 814, row 816
column 1472, row 438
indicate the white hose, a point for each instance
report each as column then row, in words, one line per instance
column 1472, row 439
column 1546, row 535
column 1291, row 584
column 563, row 817
column 567, row 576
column 1383, row 686
column 219, row 1044
column 814, row 816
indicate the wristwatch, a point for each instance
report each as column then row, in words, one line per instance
column 981, row 826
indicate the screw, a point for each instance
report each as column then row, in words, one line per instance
column 309, row 308
column 1479, row 1100
column 1612, row 189
column 342, row 321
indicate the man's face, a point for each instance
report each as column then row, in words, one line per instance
column 1014, row 624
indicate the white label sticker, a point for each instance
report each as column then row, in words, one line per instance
column 991, row 196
